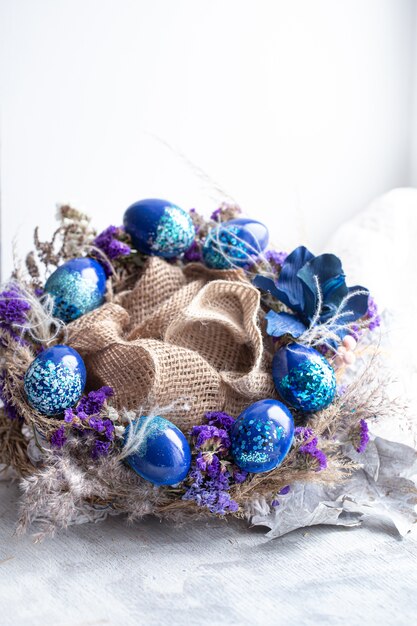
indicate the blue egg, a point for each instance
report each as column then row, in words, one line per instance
column 235, row 243
column 161, row 453
column 303, row 378
column 262, row 436
column 158, row 227
column 55, row 380
column 78, row 286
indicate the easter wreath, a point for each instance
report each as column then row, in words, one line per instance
column 180, row 367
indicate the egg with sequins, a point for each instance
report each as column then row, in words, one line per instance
column 55, row 380
column 158, row 227
column 235, row 243
column 77, row 287
column 262, row 436
column 303, row 378
column 157, row 450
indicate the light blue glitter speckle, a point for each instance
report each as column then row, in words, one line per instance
column 52, row 387
column 310, row 386
column 175, row 232
column 77, row 286
column 223, row 248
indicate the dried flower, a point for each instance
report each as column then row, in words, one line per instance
column 208, row 437
column 193, row 254
column 8, row 408
column 13, row 310
column 275, row 258
column 58, row 438
column 360, row 436
column 100, row 448
column 109, row 242
column 93, row 403
column 86, row 417
column 213, row 471
column 222, row 420
column 307, row 446
column 374, row 319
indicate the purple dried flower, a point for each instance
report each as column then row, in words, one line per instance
column 193, row 254
column 69, row 416
column 220, row 419
column 109, row 243
column 93, row 403
column 8, row 407
column 309, row 448
column 211, row 490
column 13, row 310
column 284, row 490
column 208, row 437
column 100, row 448
column 216, row 215
column 276, row 258
column 86, row 418
column 96, row 424
column 372, row 314
column 360, row 436
column 212, row 472
column 58, row 438
column 239, row 475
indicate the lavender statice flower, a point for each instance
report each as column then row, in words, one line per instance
column 211, row 438
column 193, row 254
column 110, row 244
column 283, row 492
column 213, row 472
column 220, row 419
column 307, row 446
column 93, row 403
column 360, row 436
column 13, row 310
column 372, row 314
column 216, row 215
column 211, row 491
column 100, row 448
column 86, row 418
column 58, row 438
column 8, row 408
column 275, row 258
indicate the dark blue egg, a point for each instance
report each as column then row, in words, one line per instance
column 78, row 286
column 235, row 243
column 55, row 380
column 303, row 378
column 160, row 451
column 158, row 227
column 262, row 436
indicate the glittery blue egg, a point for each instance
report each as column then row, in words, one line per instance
column 161, row 453
column 158, row 227
column 262, row 436
column 55, row 380
column 303, row 378
column 235, row 243
column 78, row 286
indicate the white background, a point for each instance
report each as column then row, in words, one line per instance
column 301, row 110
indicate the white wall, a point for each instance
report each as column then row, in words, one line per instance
column 300, row 110
column 413, row 135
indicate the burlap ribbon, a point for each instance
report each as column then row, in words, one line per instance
column 189, row 336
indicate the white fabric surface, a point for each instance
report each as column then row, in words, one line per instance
column 222, row 573
column 218, row 573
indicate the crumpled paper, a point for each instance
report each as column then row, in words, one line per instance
column 383, row 489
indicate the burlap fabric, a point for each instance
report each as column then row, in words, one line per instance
column 187, row 336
